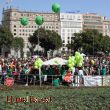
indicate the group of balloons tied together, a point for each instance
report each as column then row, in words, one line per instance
column 76, row 60
column 39, row 20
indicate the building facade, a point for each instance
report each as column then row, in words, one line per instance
column 106, row 27
column 70, row 23
column 65, row 24
column 93, row 21
column 11, row 18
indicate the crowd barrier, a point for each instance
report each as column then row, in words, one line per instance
column 88, row 81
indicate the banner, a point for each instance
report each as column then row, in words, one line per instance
column 106, row 80
column 92, row 80
column 9, row 82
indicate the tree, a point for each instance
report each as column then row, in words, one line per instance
column 91, row 41
column 48, row 39
column 6, row 37
column 32, row 40
column 18, row 44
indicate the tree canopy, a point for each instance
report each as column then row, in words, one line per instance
column 6, row 37
column 18, row 43
column 48, row 39
column 91, row 41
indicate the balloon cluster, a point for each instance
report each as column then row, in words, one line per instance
column 79, row 59
column 38, row 63
column 76, row 60
column 71, row 62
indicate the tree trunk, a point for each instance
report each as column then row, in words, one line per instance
column 45, row 53
column 32, row 51
column 22, row 53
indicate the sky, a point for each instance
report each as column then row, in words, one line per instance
column 102, row 7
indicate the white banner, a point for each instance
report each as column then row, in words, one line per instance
column 92, row 80
column 106, row 80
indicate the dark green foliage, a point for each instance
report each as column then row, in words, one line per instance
column 48, row 39
column 6, row 37
column 18, row 43
column 89, row 38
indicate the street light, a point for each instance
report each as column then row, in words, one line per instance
column 39, row 21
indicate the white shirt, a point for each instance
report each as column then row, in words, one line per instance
column 80, row 73
column 0, row 68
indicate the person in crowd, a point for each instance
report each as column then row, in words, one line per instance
column 68, row 77
column 104, row 70
column 80, row 76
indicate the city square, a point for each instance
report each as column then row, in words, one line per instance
column 54, row 55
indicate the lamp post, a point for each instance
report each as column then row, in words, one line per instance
column 56, row 9
column 38, row 39
column 39, row 21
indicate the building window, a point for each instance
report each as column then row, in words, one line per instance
column 27, row 14
column 14, row 14
column 63, row 34
column 14, row 29
column 63, row 45
column 68, row 34
column 14, row 25
column 57, row 31
column 56, row 27
column 63, row 49
column 63, row 30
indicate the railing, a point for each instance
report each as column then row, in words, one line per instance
column 50, row 80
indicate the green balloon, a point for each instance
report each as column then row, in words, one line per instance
column 80, row 65
column 56, row 8
column 24, row 21
column 39, row 20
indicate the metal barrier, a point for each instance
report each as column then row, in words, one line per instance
column 76, row 81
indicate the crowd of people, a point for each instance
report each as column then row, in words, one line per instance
column 20, row 68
